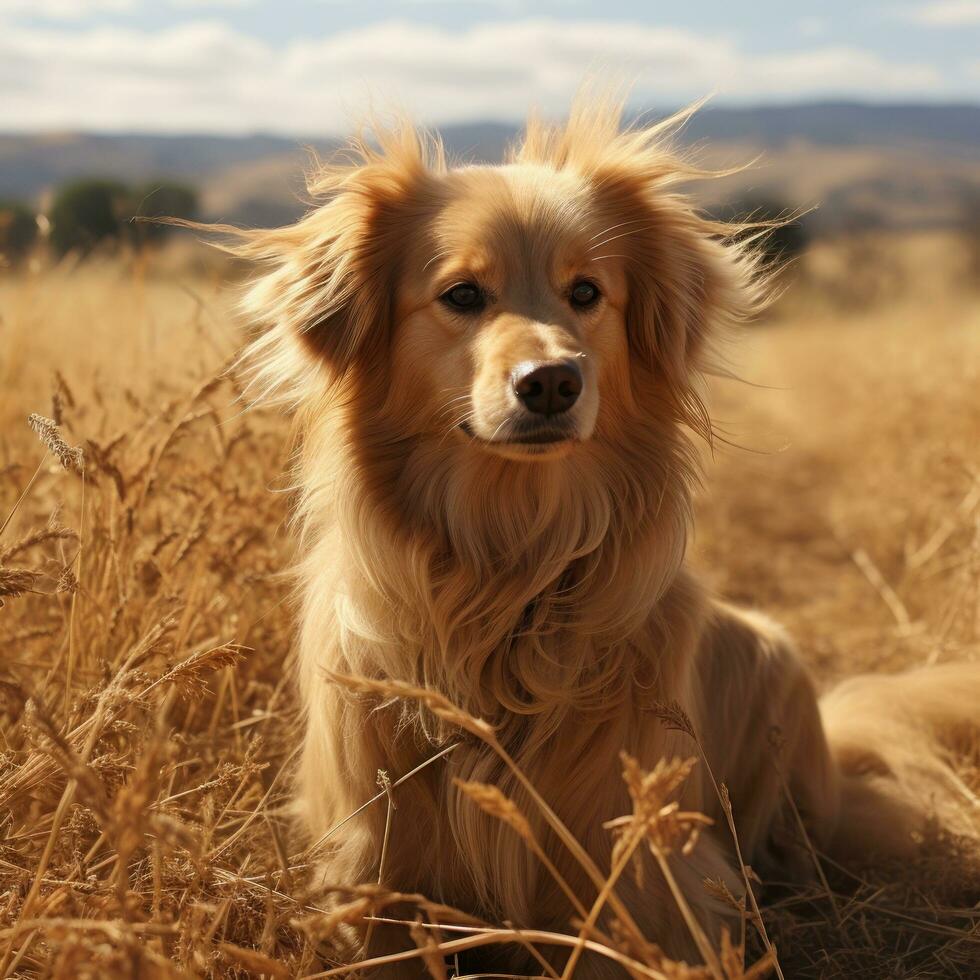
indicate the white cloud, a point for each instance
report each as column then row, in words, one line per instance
column 65, row 9
column 199, row 4
column 207, row 76
column 946, row 13
column 78, row 10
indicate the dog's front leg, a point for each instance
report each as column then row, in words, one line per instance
column 762, row 732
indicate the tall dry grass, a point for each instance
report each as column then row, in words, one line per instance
column 148, row 722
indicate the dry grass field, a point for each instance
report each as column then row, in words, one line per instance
column 146, row 710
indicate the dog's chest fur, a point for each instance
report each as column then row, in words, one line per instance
column 543, row 621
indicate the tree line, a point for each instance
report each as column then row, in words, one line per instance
column 94, row 212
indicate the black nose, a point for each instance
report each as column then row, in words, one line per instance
column 548, row 388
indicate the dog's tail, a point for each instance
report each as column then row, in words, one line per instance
column 900, row 742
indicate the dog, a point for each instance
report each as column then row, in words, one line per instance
column 497, row 373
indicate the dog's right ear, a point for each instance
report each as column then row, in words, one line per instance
column 324, row 300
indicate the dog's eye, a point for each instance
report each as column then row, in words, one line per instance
column 464, row 296
column 584, row 293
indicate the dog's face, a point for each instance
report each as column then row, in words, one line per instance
column 522, row 311
column 509, row 314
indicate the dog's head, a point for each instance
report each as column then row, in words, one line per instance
column 524, row 311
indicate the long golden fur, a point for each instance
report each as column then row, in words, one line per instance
column 542, row 585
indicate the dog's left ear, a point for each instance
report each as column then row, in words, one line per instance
column 324, row 301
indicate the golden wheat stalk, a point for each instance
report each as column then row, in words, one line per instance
column 438, row 704
column 33, row 538
column 190, row 675
column 14, row 582
column 491, row 800
column 621, row 858
column 673, row 716
column 489, row 937
column 72, row 458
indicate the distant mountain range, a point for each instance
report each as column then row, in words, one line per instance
column 883, row 164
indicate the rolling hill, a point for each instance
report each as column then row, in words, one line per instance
column 893, row 165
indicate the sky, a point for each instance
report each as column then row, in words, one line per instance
column 310, row 68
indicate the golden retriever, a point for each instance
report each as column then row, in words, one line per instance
column 497, row 374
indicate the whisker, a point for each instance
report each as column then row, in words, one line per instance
column 599, row 258
column 621, row 224
column 612, row 238
column 499, row 427
column 448, row 407
column 458, row 398
column 465, row 417
column 438, row 255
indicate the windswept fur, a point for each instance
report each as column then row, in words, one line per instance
column 544, row 591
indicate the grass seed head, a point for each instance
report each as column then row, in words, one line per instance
column 492, row 801
column 14, row 582
column 437, row 703
column 71, row 457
